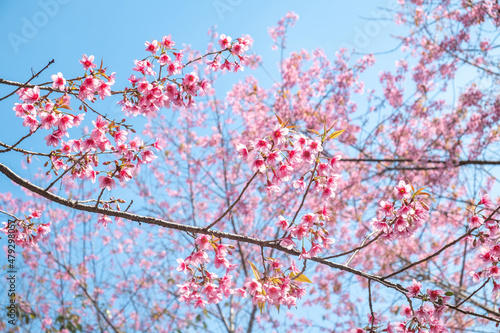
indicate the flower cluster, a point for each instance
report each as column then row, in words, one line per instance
column 205, row 287
column 280, row 154
column 153, row 91
column 428, row 317
column 38, row 111
column 312, row 228
column 81, row 156
column 401, row 221
column 26, row 232
column 278, row 33
column 275, row 287
column 488, row 239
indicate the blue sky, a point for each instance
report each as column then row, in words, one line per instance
column 34, row 32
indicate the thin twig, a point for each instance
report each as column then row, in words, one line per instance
column 9, row 214
column 25, row 84
column 482, row 286
column 234, row 203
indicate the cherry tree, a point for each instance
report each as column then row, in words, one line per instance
column 367, row 209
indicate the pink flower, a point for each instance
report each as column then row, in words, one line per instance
column 315, row 146
column 434, row 294
column 287, row 243
column 334, row 161
column 253, row 287
column 35, row 213
column 486, row 201
column 386, row 207
column 380, row 225
column 31, row 95
column 148, row 156
column 299, row 184
column 475, row 221
column 31, row 122
column 299, row 231
column 106, row 182
column 414, row 289
column 200, row 303
column 183, row 267
column 226, row 65
column 406, row 311
column 167, row 42
column 221, row 261
column 304, row 254
column 475, row 276
column 104, row 220
column 174, row 68
column 53, row 139
column 310, row 219
column 402, row 190
column 214, row 64
column 261, row 145
column 494, row 271
column 224, row 41
column 43, row 229
column 279, row 134
column 164, row 59
column 274, row 292
column 125, row 174
column 281, row 223
column 87, row 62
column 242, row 151
column 152, row 47
column 64, row 122
column 203, row 242
column 200, row 257
column 272, row 188
column 284, row 172
column 259, row 165
column 59, row 81
column 104, row 89
column 273, row 157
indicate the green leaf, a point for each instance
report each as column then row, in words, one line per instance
column 449, row 293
